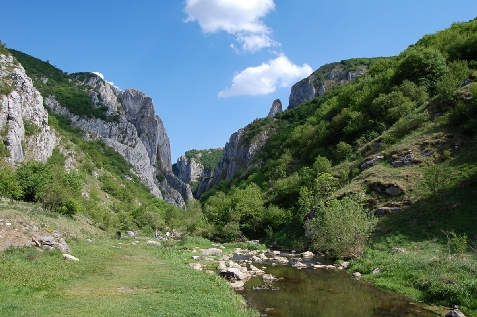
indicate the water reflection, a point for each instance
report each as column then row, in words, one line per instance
column 308, row 292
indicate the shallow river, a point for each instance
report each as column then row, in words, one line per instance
column 321, row 292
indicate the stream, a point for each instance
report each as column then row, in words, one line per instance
column 321, row 292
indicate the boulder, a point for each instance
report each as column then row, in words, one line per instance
column 307, row 254
column 235, row 273
column 370, row 162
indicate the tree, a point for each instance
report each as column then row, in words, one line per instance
column 421, row 65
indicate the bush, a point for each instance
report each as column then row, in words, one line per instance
column 10, row 187
column 421, row 65
column 341, row 228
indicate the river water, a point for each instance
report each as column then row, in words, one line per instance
column 321, row 292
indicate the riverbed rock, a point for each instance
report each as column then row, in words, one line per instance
column 255, row 271
column 356, row 274
column 307, row 254
column 300, row 265
column 235, row 273
column 221, row 266
column 281, row 259
column 238, row 285
column 268, row 277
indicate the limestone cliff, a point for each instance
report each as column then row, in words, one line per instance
column 189, row 170
column 239, row 151
column 326, row 77
column 23, row 119
column 138, row 135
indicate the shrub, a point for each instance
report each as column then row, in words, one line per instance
column 421, row 65
column 341, row 228
column 10, row 187
column 32, row 177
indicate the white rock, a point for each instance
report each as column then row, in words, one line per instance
column 70, row 257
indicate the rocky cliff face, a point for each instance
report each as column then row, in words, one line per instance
column 138, row 135
column 189, row 170
column 323, row 79
column 23, row 119
column 275, row 109
column 238, row 153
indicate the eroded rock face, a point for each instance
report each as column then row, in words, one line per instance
column 300, row 92
column 189, row 170
column 237, row 154
column 315, row 85
column 138, row 135
column 22, row 115
column 276, row 108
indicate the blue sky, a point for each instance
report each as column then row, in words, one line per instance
column 213, row 66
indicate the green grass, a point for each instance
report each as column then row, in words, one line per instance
column 112, row 279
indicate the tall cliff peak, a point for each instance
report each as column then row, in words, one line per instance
column 276, row 108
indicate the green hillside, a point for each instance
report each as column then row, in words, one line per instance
column 386, row 161
column 381, row 171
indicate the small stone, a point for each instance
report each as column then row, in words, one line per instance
column 70, row 257
column 89, row 240
column 152, row 242
column 356, row 274
column 377, row 271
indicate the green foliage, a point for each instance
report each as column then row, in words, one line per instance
column 10, row 187
column 341, row 228
column 343, row 150
column 436, row 180
column 208, row 158
column 30, row 127
column 33, row 177
column 456, row 244
column 450, row 83
column 5, row 88
column 421, row 65
column 63, row 192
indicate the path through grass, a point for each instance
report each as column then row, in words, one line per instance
column 111, row 279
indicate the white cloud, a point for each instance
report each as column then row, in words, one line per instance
column 99, row 74
column 264, row 79
column 238, row 17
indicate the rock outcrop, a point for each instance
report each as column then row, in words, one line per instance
column 276, row 108
column 189, row 170
column 324, row 78
column 238, row 153
column 23, row 119
column 138, row 135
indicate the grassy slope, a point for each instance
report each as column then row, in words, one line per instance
column 112, row 278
